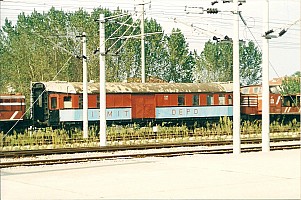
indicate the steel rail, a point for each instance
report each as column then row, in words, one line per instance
column 141, row 155
column 39, row 152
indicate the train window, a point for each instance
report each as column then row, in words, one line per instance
column 221, row 99
column 181, row 100
column 53, row 102
column 67, row 102
column 98, row 101
column 230, row 99
column 210, row 100
column 195, row 100
column 286, row 101
column 291, row 101
column 39, row 102
column 80, row 101
column 256, row 90
column 245, row 90
column 245, row 101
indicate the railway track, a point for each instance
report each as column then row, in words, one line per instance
column 39, row 152
column 175, row 152
column 140, row 155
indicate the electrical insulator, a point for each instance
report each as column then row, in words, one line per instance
column 269, row 32
column 282, row 32
column 212, row 10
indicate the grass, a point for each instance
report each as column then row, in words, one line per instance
column 135, row 135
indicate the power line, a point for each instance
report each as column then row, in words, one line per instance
column 164, row 11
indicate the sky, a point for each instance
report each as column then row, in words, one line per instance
column 199, row 27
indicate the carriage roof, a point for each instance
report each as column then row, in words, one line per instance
column 77, row 87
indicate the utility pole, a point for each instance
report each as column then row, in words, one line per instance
column 265, row 82
column 102, row 83
column 236, row 81
column 236, row 77
column 85, row 87
column 142, row 45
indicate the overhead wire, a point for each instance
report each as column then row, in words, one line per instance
column 122, row 34
column 168, row 11
column 270, row 63
column 63, row 67
column 124, row 43
column 71, row 55
column 35, row 100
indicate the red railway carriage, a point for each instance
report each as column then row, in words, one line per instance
column 12, row 109
column 61, row 102
column 251, row 101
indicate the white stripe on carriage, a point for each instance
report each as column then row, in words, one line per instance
column 13, row 104
column 12, row 97
column 278, row 99
column 14, row 115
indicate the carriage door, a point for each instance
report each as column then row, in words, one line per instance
column 143, row 106
column 40, row 108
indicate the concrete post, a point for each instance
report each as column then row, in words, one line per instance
column 102, row 82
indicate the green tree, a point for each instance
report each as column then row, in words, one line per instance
column 45, row 46
column 297, row 73
column 291, row 84
column 250, row 64
column 216, row 63
column 5, row 47
column 155, row 51
column 180, row 59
